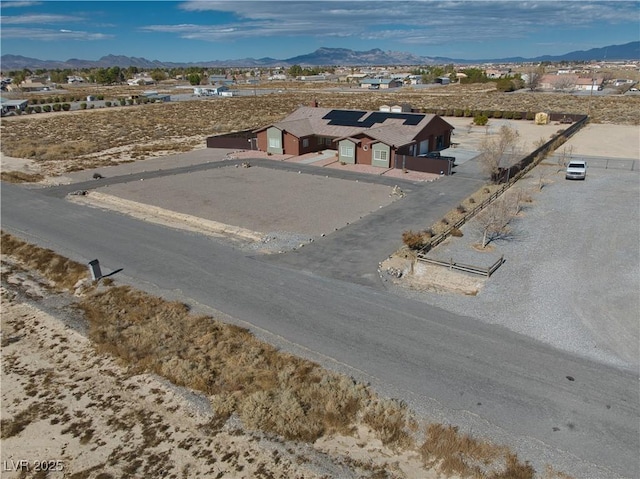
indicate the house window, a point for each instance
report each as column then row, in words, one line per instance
column 380, row 155
column 305, row 142
column 346, row 151
column 274, row 142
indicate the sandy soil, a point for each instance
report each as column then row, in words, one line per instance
column 83, row 413
column 404, row 270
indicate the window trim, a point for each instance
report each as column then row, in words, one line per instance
column 347, row 151
column 377, row 153
column 275, row 142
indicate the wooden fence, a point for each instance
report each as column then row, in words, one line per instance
column 488, row 271
column 238, row 140
column 440, row 166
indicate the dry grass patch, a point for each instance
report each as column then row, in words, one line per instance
column 267, row 389
column 75, row 136
column 63, row 272
column 455, row 453
column 20, row 177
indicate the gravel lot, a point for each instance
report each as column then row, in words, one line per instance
column 571, row 276
column 279, row 204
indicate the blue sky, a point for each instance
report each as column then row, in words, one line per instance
column 201, row 31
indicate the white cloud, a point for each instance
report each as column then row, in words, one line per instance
column 51, row 35
column 425, row 21
column 19, row 4
column 38, row 19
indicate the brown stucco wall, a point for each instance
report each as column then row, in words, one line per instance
column 291, row 144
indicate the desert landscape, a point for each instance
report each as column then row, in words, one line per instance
column 105, row 401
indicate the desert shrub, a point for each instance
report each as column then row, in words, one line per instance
column 480, row 120
column 37, row 109
column 83, row 105
column 57, row 107
column 461, row 209
column 449, row 112
column 517, row 115
column 468, row 113
column 458, row 112
column 456, row 232
column 389, row 419
column 508, row 115
column 107, row 103
column 129, row 101
column 100, row 97
column 487, row 113
column 42, row 101
column 416, row 240
column 472, row 200
column 462, row 455
column 530, row 115
column 46, row 108
column 49, row 99
column 66, row 106
column 123, row 101
column 497, row 114
column 56, row 99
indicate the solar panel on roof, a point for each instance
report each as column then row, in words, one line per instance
column 352, row 118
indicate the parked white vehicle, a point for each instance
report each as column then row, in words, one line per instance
column 576, row 170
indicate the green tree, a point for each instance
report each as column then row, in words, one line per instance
column 158, row 75
column 295, row 71
column 194, row 79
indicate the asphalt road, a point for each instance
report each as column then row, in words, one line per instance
column 578, row 415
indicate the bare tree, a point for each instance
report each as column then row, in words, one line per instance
column 564, row 157
column 564, row 82
column 533, row 77
column 494, row 221
column 494, row 149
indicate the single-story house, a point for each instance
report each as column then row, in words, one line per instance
column 589, row 84
column 364, row 137
column 380, row 83
column 29, row 85
column 140, row 81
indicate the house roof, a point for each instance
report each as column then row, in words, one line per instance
column 392, row 128
column 378, row 81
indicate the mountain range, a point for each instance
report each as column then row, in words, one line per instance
column 322, row 56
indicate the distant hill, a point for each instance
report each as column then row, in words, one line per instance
column 322, row 56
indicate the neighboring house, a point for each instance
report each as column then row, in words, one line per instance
column 443, row 80
column 589, row 84
column 210, row 91
column 30, row 85
column 220, row 79
column 140, row 81
column 74, row 79
column 563, row 82
column 380, row 83
column 364, row 137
